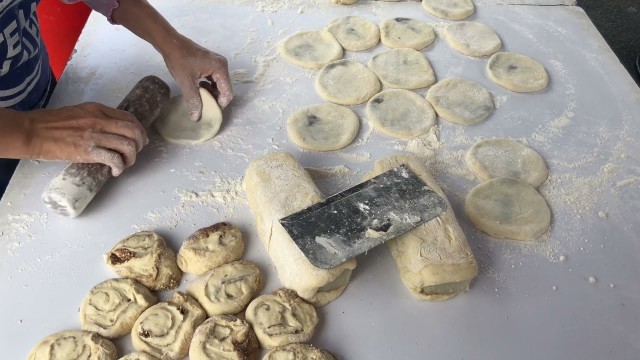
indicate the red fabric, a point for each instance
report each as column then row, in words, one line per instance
column 60, row 27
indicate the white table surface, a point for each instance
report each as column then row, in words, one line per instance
column 525, row 303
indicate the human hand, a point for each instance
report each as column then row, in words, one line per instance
column 86, row 133
column 188, row 62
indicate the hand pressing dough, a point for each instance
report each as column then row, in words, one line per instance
column 354, row 33
column 138, row 356
column 517, row 72
column 324, row 127
column 67, row 345
column 472, row 38
column 434, row 260
column 226, row 290
column 281, row 318
column 298, row 352
column 277, row 186
column 449, row 9
column 174, row 124
column 402, row 69
column 347, row 82
column 494, row 158
column 400, row 113
column 507, row 208
column 460, row 101
column 311, row 49
column 145, row 257
column 111, row 307
column 406, row 33
column 165, row 330
column 224, row 337
column 210, row 247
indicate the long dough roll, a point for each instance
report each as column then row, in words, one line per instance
column 277, row 186
column 434, row 259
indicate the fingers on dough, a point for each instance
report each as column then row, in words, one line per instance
column 347, row 82
column 298, row 351
column 403, row 32
column 400, row 113
column 506, row 208
column 74, row 345
column 145, row 257
column 224, row 337
column 311, row 49
column 324, row 127
column 449, row 9
column 460, row 101
column 210, row 247
column 516, row 72
column 434, row 260
column 354, row 33
column 472, row 38
column 494, row 158
column 402, row 69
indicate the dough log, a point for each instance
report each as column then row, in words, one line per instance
column 277, row 186
column 434, row 259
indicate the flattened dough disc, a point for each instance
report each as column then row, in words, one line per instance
column 517, row 72
column 507, row 208
column 175, row 126
column 347, row 82
column 449, row 9
column 311, row 49
column 402, row 69
column 494, row 158
column 323, row 127
column 472, row 38
column 354, row 33
column 406, row 33
column 400, row 113
column 461, row 101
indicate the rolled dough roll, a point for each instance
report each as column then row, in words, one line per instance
column 224, row 337
column 210, row 247
column 434, row 260
column 298, row 352
column 277, row 186
column 73, row 344
column 138, row 356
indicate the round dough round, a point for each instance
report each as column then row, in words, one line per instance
column 138, row 356
column 472, row 38
column 281, row 318
column 74, row 345
column 210, row 247
column 166, row 329
column 461, row 101
column 354, row 33
column 174, row 124
column 323, row 127
column 449, row 9
column 347, row 82
column 494, row 158
column 227, row 289
column 508, row 208
column 517, row 72
column 402, row 69
column 298, row 352
column 401, row 113
column 406, row 33
column 224, row 337
column 111, row 307
column 311, row 49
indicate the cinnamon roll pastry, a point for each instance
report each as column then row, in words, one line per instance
column 224, row 337
column 77, row 345
column 298, row 352
column 210, row 247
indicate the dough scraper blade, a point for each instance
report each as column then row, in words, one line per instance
column 356, row 220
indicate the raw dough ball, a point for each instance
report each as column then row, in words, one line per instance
column 174, row 124
column 347, row 82
column 145, row 257
column 507, row 208
column 281, row 318
column 461, row 101
column 311, row 49
column 472, row 38
column 210, row 247
column 402, row 69
column 449, row 9
column 323, row 127
column 406, row 33
column 166, row 329
column 67, row 345
column 494, row 158
column 226, row 290
column 400, row 113
column 298, row 352
column 111, row 307
column 354, row 33
column 517, row 72
column 138, row 356
column 224, row 337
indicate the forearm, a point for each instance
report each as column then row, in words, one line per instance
column 15, row 135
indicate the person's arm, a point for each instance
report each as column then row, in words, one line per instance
column 187, row 61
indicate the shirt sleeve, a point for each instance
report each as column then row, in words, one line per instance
column 105, row 7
